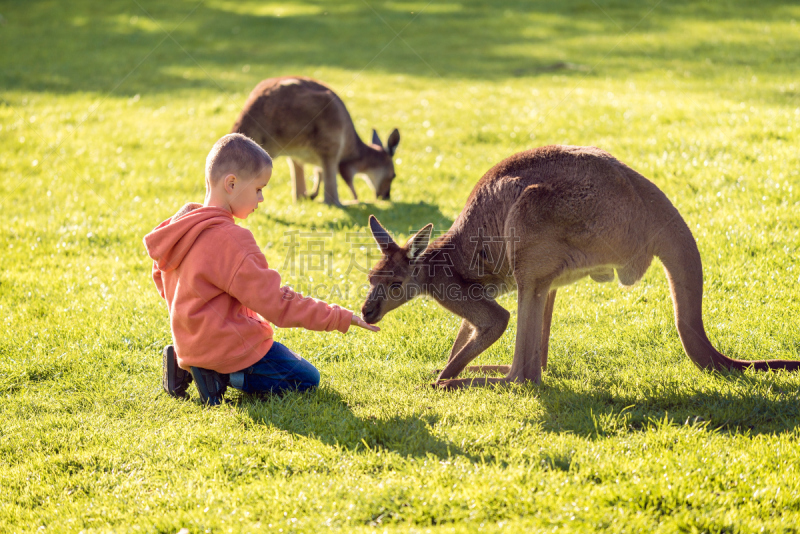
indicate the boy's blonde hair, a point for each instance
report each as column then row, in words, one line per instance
column 235, row 154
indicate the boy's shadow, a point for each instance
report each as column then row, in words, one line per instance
column 324, row 415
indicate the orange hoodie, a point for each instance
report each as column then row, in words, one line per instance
column 220, row 291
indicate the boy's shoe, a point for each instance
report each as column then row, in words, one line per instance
column 174, row 379
column 211, row 385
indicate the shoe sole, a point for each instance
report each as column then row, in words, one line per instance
column 166, row 360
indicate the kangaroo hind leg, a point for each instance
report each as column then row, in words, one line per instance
column 546, row 321
column 315, row 183
column 298, row 179
column 330, row 191
column 528, row 348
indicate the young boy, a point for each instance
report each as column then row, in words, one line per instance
column 220, row 292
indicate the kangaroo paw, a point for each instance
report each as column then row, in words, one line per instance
column 453, row 384
column 462, row 383
column 445, row 385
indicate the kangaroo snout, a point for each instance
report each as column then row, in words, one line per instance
column 384, row 192
column 370, row 311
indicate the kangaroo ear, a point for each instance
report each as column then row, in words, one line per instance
column 391, row 143
column 382, row 237
column 418, row 242
column 375, row 139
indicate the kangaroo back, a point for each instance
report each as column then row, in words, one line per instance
column 306, row 121
column 292, row 115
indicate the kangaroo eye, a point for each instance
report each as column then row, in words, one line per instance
column 395, row 285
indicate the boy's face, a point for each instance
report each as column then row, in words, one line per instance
column 246, row 194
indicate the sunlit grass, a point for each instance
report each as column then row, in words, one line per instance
column 105, row 122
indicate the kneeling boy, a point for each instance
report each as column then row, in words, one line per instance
column 221, row 293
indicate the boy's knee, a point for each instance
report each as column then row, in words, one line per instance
column 308, row 377
column 313, row 377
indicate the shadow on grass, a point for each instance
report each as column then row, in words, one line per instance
column 324, row 415
column 745, row 405
column 397, row 217
column 144, row 47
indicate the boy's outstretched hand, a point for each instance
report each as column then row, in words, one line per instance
column 358, row 321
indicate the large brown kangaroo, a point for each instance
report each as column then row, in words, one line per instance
column 536, row 221
column 304, row 120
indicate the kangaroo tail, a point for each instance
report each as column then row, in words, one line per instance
column 677, row 250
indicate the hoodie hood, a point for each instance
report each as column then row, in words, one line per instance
column 171, row 240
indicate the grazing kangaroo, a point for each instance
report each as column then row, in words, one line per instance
column 304, row 120
column 536, row 221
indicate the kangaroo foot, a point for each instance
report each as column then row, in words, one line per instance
column 489, row 369
column 336, row 203
column 463, row 383
column 482, row 369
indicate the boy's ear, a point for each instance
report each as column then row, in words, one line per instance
column 228, row 182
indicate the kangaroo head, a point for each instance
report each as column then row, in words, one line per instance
column 379, row 165
column 392, row 282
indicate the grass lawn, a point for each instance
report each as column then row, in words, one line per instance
column 107, row 111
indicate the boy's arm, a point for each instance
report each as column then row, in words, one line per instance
column 158, row 280
column 259, row 288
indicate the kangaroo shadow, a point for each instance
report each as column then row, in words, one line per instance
column 324, row 415
column 745, row 405
column 398, row 217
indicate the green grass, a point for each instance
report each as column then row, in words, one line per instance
column 105, row 121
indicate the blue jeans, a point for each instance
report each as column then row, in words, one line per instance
column 278, row 371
